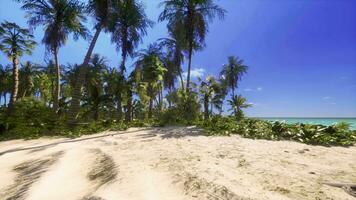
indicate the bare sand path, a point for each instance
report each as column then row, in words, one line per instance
column 169, row 164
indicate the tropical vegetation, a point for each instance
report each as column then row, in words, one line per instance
column 54, row 99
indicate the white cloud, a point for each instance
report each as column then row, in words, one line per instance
column 259, row 89
column 329, row 100
column 195, row 73
column 248, row 90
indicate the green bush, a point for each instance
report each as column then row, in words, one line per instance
column 31, row 118
column 337, row 134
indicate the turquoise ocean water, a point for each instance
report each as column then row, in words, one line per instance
column 322, row 121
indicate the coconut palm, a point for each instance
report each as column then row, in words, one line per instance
column 15, row 42
column 115, row 84
column 27, row 73
column 173, row 59
column 100, row 10
column 59, row 19
column 95, row 84
column 237, row 103
column 192, row 17
column 233, row 72
column 149, row 69
column 5, row 72
column 129, row 25
column 209, row 89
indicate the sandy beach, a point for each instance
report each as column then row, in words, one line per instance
column 169, row 164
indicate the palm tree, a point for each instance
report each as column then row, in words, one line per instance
column 149, row 69
column 27, row 73
column 100, row 10
column 4, row 82
column 233, row 72
column 173, row 59
column 129, row 25
column 59, row 18
column 237, row 103
column 15, row 42
column 209, row 89
column 191, row 17
column 115, row 84
column 95, row 83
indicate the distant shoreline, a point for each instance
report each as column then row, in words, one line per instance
column 303, row 117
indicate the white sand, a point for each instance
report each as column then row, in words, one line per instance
column 170, row 164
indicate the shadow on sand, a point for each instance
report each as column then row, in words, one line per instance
column 42, row 147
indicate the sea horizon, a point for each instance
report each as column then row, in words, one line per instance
column 326, row 121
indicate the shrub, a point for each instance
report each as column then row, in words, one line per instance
column 31, row 118
column 337, row 134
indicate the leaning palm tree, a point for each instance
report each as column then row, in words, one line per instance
column 191, row 17
column 129, row 25
column 233, row 72
column 100, row 10
column 59, row 18
column 15, row 42
column 237, row 103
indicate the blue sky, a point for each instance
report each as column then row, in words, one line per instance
column 301, row 53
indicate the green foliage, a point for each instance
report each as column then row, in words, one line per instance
column 33, row 119
column 237, row 103
column 30, row 119
column 337, row 134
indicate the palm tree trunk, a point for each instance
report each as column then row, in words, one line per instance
column 150, row 108
column 119, row 108
column 191, row 14
column 123, row 62
column 57, row 91
column 189, row 64
column 129, row 106
column 96, row 112
column 161, row 98
column 76, row 96
column 206, row 108
column 181, row 78
column 15, row 86
column 5, row 102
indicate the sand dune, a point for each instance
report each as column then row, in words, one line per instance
column 172, row 163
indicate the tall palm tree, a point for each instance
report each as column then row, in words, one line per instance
column 15, row 42
column 100, row 10
column 192, row 17
column 237, row 103
column 129, row 25
column 59, row 18
column 233, row 72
